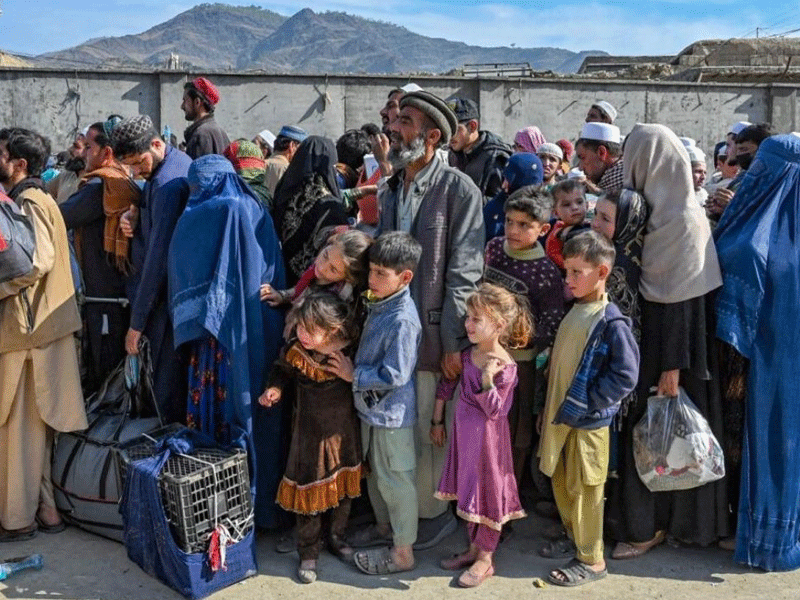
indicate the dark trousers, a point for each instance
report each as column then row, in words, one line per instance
column 309, row 529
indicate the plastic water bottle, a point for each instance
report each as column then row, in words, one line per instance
column 167, row 134
column 15, row 565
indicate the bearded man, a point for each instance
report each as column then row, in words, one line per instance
column 441, row 208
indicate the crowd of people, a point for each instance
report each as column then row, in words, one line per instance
column 456, row 320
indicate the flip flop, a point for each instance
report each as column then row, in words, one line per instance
column 470, row 580
column 369, row 537
column 45, row 528
column 18, row 535
column 561, row 548
column 377, row 561
column 576, row 573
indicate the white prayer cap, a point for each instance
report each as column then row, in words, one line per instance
column 601, row 132
column 688, row 142
column 606, row 107
column 268, row 137
column 552, row 150
column 411, row 87
column 695, row 154
column 738, row 127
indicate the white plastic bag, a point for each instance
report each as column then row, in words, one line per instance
column 673, row 446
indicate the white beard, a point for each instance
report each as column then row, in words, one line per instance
column 407, row 153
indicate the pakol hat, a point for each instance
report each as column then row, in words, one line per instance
column 207, row 89
column 434, row 108
column 607, row 109
column 601, row 132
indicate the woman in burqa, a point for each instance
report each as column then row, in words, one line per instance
column 758, row 240
column 223, row 249
column 679, row 269
column 307, row 205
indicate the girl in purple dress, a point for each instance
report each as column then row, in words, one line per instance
column 479, row 472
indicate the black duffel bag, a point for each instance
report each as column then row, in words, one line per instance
column 87, row 480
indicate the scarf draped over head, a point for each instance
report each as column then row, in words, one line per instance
column 530, row 138
column 246, row 158
column 307, row 202
column 119, row 193
column 679, row 261
column 223, row 249
column 623, row 282
column 523, row 169
column 315, row 156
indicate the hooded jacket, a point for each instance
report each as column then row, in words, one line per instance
column 484, row 163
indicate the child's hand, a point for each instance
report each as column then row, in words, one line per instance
column 493, row 365
column 341, row 366
column 271, row 396
column 438, row 435
column 271, row 296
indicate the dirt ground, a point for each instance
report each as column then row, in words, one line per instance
column 80, row 565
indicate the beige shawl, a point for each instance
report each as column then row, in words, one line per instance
column 679, row 260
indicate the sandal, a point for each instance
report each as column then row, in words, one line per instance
column 625, row 550
column 47, row 528
column 377, row 561
column 369, row 537
column 456, row 562
column 468, row 579
column 18, row 535
column 575, row 573
column 561, row 548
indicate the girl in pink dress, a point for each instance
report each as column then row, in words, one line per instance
column 479, row 472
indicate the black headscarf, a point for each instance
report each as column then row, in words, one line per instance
column 307, row 201
column 315, row 156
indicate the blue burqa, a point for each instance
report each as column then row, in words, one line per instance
column 224, row 247
column 758, row 242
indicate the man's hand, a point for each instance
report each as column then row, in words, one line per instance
column 128, row 221
column 380, row 149
column 132, row 341
column 341, row 366
column 451, row 365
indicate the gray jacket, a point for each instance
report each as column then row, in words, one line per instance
column 449, row 226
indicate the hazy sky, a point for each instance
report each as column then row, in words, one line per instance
column 625, row 27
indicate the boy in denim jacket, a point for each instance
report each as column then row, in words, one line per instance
column 594, row 365
column 383, row 388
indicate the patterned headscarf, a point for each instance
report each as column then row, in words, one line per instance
column 530, row 138
column 623, row 282
column 246, row 157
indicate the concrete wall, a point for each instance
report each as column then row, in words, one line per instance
column 59, row 103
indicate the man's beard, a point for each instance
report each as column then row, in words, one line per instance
column 407, row 154
column 76, row 164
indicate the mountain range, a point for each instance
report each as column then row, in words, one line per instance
column 244, row 38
